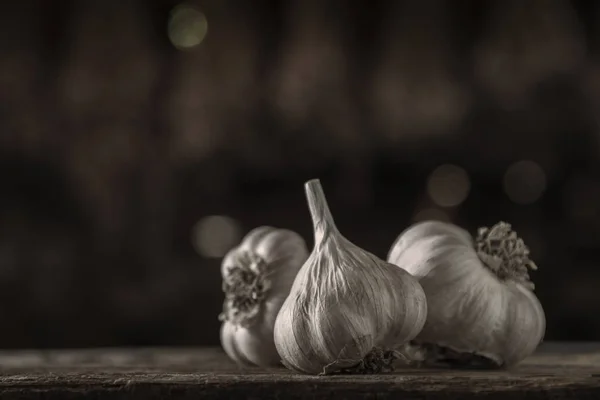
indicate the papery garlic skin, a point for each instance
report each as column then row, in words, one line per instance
column 347, row 310
column 257, row 277
column 474, row 307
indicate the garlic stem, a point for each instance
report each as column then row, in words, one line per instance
column 322, row 219
column 504, row 253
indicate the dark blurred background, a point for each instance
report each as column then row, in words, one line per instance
column 139, row 141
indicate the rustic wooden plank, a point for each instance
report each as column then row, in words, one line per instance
column 557, row 370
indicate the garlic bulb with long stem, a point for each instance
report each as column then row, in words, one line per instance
column 481, row 305
column 257, row 277
column 347, row 311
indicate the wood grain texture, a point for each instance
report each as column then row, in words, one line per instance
column 557, row 371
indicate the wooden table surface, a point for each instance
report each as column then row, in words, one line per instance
column 557, row 371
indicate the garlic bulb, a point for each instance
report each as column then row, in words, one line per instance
column 257, row 277
column 481, row 307
column 348, row 311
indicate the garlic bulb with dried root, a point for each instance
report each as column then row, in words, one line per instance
column 481, row 306
column 348, row 311
column 257, row 277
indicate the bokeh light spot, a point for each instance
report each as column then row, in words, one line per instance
column 215, row 235
column 187, row 27
column 448, row 185
column 524, row 182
